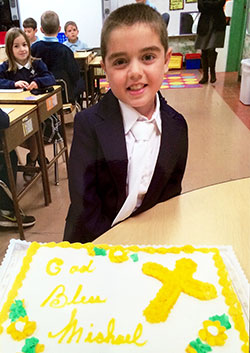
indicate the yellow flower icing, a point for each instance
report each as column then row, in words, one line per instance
column 217, row 339
column 115, row 256
column 28, row 329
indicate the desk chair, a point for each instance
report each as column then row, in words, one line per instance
column 166, row 18
column 69, row 109
column 69, row 112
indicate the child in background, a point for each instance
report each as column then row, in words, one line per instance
column 113, row 172
column 30, row 28
column 22, row 71
column 7, row 213
column 146, row 2
column 58, row 58
column 71, row 32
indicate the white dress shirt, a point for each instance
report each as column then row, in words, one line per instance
column 148, row 162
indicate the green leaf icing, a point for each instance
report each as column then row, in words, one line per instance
column 17, row 310
column 200, row 347
column 224, row 320
column 30, row 345
column 100, row 252
column 134, row 257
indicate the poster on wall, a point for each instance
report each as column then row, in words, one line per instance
column 176, row 5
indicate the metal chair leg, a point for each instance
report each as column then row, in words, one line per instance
column 56, row 170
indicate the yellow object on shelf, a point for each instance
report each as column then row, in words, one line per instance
column 176, row 61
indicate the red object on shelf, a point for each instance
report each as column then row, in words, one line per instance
column 2, row 37
column 193, row 61
column 192, row 56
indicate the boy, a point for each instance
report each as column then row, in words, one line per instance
column 71, row 32
column 30, row 28
column 113, row 173
column 7, row 213
column 58, row 58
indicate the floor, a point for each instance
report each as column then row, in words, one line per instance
column 219, row 150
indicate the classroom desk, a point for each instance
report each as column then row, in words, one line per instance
column 23, row 124
column 46, row 104
column 214, row 215
column 84, row 58
column 94, row 65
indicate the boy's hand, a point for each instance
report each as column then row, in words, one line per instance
column 21, row 84
column 32, row 85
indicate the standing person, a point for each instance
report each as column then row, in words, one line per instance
column 7, row 213
column 71, row 32
column 210, row 35
column 30, row 28
column 113, row 172
column 23, row 71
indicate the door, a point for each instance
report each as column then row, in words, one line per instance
column 237, row 35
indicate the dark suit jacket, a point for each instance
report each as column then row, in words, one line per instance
column 98, row 167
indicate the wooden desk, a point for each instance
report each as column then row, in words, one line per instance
column 23, row 124
column 214, row 215
column 84, row 58
column 95, row 65
column 46, row 104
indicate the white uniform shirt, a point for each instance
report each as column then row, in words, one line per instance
column 130, row 116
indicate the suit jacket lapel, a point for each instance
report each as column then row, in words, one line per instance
column 166, row 158
column 110, row 133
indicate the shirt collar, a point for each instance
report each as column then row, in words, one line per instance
column 50, row 39
column 75, row 43
column 130, row 115
column 27, row 66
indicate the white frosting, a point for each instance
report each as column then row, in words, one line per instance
column 127, row 291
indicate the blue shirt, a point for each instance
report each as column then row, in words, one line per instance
column 78, row 45
column 149, row 4
column 50, row 39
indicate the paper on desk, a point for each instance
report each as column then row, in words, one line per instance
column 11, row 90
column 7, row 110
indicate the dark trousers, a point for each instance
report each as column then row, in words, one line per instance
column 5, row 202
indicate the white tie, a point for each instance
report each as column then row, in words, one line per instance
column 142, row 131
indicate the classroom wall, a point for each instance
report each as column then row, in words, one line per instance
column 163, row 6
column 86, row 13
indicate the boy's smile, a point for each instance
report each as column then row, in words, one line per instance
column 135, row 65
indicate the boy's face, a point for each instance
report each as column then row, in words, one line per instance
column 135, row 65
column 31, row 33
column 72, row 33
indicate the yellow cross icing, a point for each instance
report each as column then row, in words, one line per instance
column 174, row 282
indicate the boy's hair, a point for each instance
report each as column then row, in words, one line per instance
column 50, row 22
column 30, row 23
column 129, row 15
column 69, row 23
column 11, row 35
